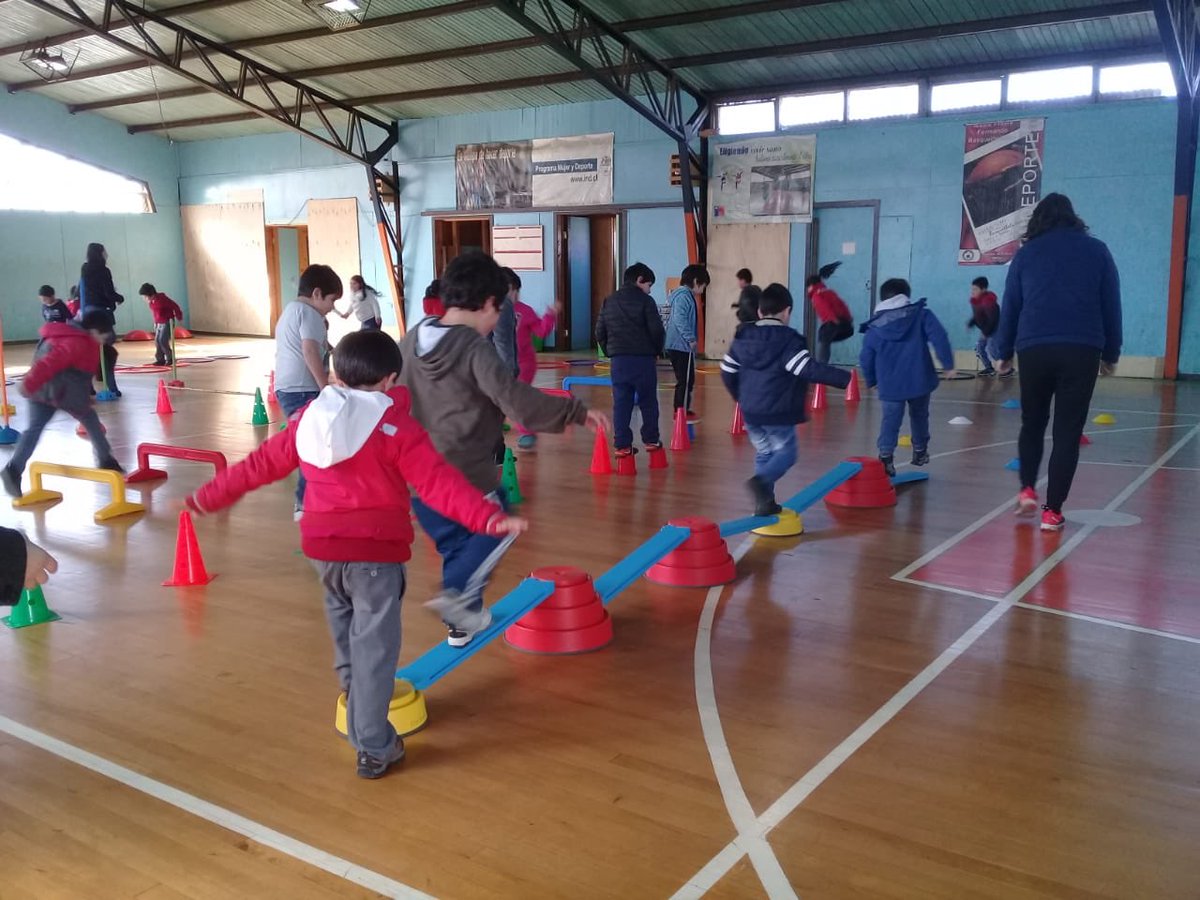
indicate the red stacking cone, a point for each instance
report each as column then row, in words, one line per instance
column 658, row 458
column 271, row 390
column 82, row 432
column 1084, row 440
column 627, row 464
column 572, row 620
column 702, row 560
column 738, row 426
column 189, row 564
column 601, row 464
column 679, row 438
column 869, row 489
column 852, row 392
column 818, row 400
column 163, row 407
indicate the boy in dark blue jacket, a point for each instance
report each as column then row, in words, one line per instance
column 767, row 370
column 895, row 356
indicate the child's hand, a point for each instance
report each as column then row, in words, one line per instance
column 598, row 421
column 1004, row 366
column 503, row 524
column 38, row 565
column 950, row 374
column 1107, row 369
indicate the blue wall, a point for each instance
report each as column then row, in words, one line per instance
column 48, row 248
column 1189, row 347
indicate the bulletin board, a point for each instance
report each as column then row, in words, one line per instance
column 519, row 247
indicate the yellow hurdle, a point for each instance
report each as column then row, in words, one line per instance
column 116, row 482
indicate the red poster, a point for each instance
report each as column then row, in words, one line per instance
column 1002, row 183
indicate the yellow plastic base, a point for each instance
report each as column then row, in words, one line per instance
column 33, row 498
column 1105, row 419
column 406, row 712
column 120, row 508
column 905, row 441
column 789, row 525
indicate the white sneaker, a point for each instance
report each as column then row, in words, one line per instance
column 474, row 623
column 455, row 609
column 297, row 513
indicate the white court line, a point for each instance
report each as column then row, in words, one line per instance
column 1128, row 465
column 719, row 866
column 217, row 815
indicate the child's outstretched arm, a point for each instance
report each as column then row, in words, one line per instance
column 524, row 403
column 273, row 460
column 802, row 365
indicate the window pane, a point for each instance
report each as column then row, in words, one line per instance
column 1050, row 84
column 746, row 118
column 43, row 181
column 965, row 95
column 1145, row 79
column 881, row 102
column 808, row 109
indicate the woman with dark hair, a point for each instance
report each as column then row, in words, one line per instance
column 96, row 292
column 364, row 303
column 1062, row 314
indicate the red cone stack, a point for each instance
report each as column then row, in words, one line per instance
column 163, row 407
column 818, row 400
column 658, row 458
column 738, row 426
column 702, row 560
column 852, row 391
column 82, row 432
column 601, row 464
column 271, row 390
column 869, row 489
column 572, row 620
column 679, row 438
column 626, row 465
column 1084, row 440
column 189, row 563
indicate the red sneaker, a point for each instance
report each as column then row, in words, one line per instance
column 1027, row 502
column 692, row 417
column 1052, row 521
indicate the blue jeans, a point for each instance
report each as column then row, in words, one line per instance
column 775, row 450
column 981, row 350
column 893, row 417
column 291, row 402
column 461, row 550
column 634, row 382
column 40, row 415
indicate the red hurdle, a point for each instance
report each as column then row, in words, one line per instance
column 143, row 472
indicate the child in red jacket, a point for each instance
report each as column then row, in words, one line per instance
column 833, row 315
column 61, row 378
column 164, row 310
column 985, row 315
column 360, row 449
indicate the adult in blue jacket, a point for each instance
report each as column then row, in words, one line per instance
column 1062, row 314
column 895, row 356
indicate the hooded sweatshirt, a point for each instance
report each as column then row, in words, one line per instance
column 461, row 391
column 359, row 451
column 985, row 313
column 63, row 363
column 895, row 352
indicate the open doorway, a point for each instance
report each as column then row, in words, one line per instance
column 586, row 261
column 287, row 257
column 453, row 236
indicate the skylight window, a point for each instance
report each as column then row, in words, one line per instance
column 39, row 180
column 811, row 109
column 1050, row 84
column 965, row 95
column 1138, row 80
column 884, row 102
column 746, row 118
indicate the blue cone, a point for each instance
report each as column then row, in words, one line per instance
column 105, row 396
column 9, row 435
column 1011, row 404
column 1013, row 465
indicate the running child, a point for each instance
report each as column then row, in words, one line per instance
column 985, row 315
column 745, row 278
column 165, row 310
column 835, row 322
column 682, row 314
column 529, row 326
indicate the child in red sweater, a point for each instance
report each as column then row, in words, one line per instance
column 985, row 315
column 360, row 449
column 836, row 322
column 164, row 310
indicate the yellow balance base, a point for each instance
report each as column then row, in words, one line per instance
column 36, row 497
column 406, row 712
column 117, row 509
column 789, row 525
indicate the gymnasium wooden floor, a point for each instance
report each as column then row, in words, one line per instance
column 930, row 701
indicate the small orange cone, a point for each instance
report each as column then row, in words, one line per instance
column 818, row 400
column 271, row 390
column 189, row 564
column 1084, row 440
column 163, row 408
column 601, row 464
column 679, row 439
column 739, row 425
column 82, row 432
column 658, row 458
column 852, row 391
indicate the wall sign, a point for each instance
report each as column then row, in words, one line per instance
column 547, row 172
column 518, row 246
column 763, row 180
column 1002, row 183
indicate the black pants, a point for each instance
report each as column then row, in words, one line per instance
column 1066, row 374
column 829, row 334
column 107, row 374
column 684, row 364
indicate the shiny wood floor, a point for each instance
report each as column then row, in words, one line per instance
column 1018, row 718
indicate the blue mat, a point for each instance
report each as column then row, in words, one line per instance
column 909, row 478
column 443, row 659
column 634, row 566
column 603, row 380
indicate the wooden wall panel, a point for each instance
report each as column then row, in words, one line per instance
column 333, row 241
column 224, row 249
column 764, row 250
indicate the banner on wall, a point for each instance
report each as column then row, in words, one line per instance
column 1002, row 183
column 547, row 172
column 763, row 180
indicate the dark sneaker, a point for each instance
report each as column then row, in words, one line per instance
column 920, row 457
column 111, row 465
column 1009, row 374
column 889, row 465
column 373, row 767
column 987, row 373
column 462, row 622
column 764, row 497
column 468, row 627
column 11, row 481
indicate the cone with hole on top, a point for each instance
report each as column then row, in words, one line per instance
column 1105, row 419
column 31, row 609
column 853, row 394
column 259, row 416
column 738, row 426
column 189, row 562
column 702, row 560
column 571, row 620
column 271, row 398
column 679, row 437
column 658, row 457
column 163, row 405
column 869, row 489
column 508, row 478
column 627, row 463
column 601, row 463
column 818, row 398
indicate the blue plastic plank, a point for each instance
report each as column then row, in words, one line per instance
column 603, row 380
column 633, row 566
column 839, row 474
column 741, row 526
column 909, row 478
column 443, row 659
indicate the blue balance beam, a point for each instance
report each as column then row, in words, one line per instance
column 634, row 566
column 908, row 478
column 602, row 380
column 836, row 476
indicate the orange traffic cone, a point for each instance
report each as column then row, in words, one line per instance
column 1084, row 440
column 679, row 439
column 658, row 458
column 601, row 464
column 627, row 464
column 189, row 564
column 852, row 392
column 271, row 390
column 739, row 425
column 163, row 408
column 818, row 400
column 82, row 432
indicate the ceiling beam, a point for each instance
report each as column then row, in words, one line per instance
column 1179, row 27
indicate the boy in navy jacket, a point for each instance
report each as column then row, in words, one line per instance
column 895, row 356
column 767, row 370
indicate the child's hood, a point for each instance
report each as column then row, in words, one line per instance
column 336, row 425
column 760, row 345
column 895, row 318
column 440, row 349
column 65, row 331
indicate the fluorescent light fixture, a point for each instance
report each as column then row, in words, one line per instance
column 342, row 6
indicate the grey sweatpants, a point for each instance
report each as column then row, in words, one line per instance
column 162, row 345
column 362, row 605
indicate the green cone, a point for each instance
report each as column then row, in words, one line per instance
column 508, row 478
column 30, row 610
column 260, row 411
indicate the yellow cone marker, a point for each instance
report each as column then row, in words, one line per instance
column 406, row 712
